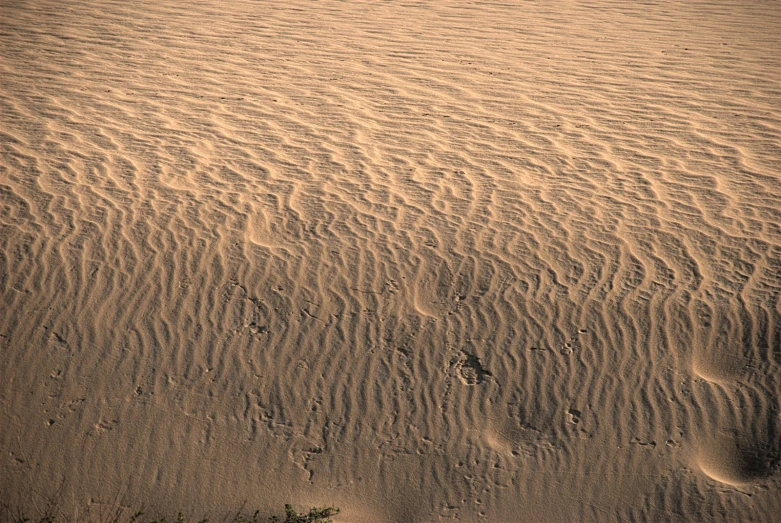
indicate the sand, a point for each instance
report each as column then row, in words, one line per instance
column 423, row 261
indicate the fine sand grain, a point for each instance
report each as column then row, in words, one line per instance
column 423, row 261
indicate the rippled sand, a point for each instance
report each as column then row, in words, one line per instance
column 424, row 261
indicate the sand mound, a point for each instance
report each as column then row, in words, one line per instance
column 425, row 261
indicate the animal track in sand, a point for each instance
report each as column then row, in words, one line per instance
column 573, row 344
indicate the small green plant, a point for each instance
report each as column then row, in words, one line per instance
column 240, row 518
column 315, row 515
column 179, row 519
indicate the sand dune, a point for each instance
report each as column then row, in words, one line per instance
column 424, row 261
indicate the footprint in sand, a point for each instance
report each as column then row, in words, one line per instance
column 736, row 461
column 261, row 230
column 432, row 291
column 750, row 450
column 714, row 357
column 470, row 370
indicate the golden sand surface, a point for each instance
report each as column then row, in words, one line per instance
column 424, row 261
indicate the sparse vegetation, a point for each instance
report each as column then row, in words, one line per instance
column 315, row 515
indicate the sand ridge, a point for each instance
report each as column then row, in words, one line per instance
column 503, row 261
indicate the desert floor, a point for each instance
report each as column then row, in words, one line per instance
column 423, row 261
